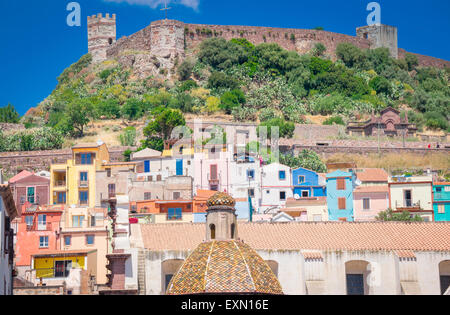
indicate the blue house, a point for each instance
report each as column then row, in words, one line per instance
column 340, row 187
column 441, row 202
column 243, row 209
column 307, row 183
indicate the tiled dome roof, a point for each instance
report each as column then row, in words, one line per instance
column 221, row 199
column 224, row 267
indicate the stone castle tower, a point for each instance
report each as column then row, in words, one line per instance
column 101, row 35
column 380, row 35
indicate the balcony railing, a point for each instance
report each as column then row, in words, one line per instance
column 83, row 183
column 407, row 204
column 40, row 227
column 59, row 183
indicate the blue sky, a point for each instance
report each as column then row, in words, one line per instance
column 37, row 44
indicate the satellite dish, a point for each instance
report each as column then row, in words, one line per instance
column 296, row 196
column 358, row 182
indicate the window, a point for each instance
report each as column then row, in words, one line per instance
column 62, row 268
column 86, row 158
column 441, row 209
column 407, row 198
column 67, row 240
column 158, row 178
column 251, row 192
column 90, row 239
column 61, row 197
column 305, row 193
column 31, row 194
column 108, row 172
column 84, row 197
column 340, row 184
column 175, row 214
column 77, row 221
column 147, row 196
column 282, row 175
column 112, row 190
column 176, row 195
column 267, row 192
column 42, row 222
column 301, row 179
column 282, row 195
column 212, row 228
column 29, row 220
column 342, row 203
column 43, row 241
column 366, row 203
column 447, row 189
column 250, row 174
column 93, row 221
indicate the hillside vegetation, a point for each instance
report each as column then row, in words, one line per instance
column 263, row 83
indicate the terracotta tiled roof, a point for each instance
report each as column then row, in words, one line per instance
column 224, row 267
column 312, row 255
column 205, row 193
column 309, row 236
column 372, row 175
column 372, row 189
column 294, row 212
column 441, row 183
column 405, row 254
column 20, row 176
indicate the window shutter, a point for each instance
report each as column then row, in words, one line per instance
column 341, row 184
column 342, row 203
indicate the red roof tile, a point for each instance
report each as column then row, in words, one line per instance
column 20, row 176
column 309, row 236
column 372, row 189
column 372, row 175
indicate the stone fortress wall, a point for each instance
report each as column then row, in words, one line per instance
column 164, row 43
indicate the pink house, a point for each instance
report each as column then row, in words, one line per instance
column 369, row 201
column 212, row 170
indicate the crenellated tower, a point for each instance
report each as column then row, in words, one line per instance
column 101, row 35
column 380, row 35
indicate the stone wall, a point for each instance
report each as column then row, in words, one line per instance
column 47, row 290
column 11, row 127
column 166, row 40
column 15, row 162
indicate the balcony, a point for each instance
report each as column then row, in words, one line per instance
column 59, row 184
column 39, row 227
column 83, row 184
column 407, row 205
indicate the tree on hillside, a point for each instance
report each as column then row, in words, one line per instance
column 133, row 109
column 231, row 100
column 319, row 49
column 185, row 70
column 76, row 117
column 8, row 114
column 405, row 216
column 221, row 54
column 351, row 55
column 307, row 159
column 285, row 129
column 412, row 61
column 161, row 127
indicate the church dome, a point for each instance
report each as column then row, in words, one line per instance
column 222, row 267
column 221, row 199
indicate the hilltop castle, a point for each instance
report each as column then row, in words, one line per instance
column 164, row 43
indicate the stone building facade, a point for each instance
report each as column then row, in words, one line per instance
column 101, row 35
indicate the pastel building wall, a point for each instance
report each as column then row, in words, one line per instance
column 340, row 196
column 307, row 183
column 369, row 201
column 441, row 202
column 276, row 186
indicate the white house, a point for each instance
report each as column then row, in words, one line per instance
column 276, row 186
column 8, row 213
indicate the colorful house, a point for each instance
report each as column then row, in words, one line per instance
column 163, row 211
column 413, row 194
column 37, row 231
column 372, row 177
column 313, row 209
column 84, row 229
column 276, row 186
column 8, row 213
column 441, row 201
column 369, row 201
column 308, row 183
column 73, row 183
column 340, row 187
column 29, row 188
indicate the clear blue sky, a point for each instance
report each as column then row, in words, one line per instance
column 37, row 45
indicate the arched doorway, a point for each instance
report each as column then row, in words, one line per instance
column 168, row 269
column 356, row 274
column 444, row 276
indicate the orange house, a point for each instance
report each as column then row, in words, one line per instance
column 199, row 202
column 37, row 231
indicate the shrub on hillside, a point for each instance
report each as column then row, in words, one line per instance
column 335, row 120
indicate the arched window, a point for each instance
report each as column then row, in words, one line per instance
column 110, row 41
column 233, row 228
column 444, row 275
column 357, row 273
column 212, row 229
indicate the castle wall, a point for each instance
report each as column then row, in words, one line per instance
column 101, row 35
column 163, row 42
column 303, row 43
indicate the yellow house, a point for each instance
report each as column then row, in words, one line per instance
column 73, row 183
